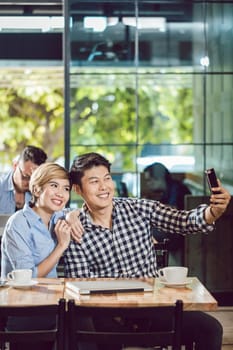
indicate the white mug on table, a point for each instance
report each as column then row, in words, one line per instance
column 21, row 276
column 173, row 274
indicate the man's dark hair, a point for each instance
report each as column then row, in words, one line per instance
column 34, row 154
column 84, row 162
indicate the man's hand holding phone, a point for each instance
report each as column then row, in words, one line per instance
column 219, row 200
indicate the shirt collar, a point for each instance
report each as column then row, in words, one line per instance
column 86, row 213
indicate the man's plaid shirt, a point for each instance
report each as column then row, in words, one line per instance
column 127, row 249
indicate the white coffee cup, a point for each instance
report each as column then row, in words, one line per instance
column 173, row 274
column 22, row 276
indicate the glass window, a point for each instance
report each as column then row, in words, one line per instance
column 152, row 81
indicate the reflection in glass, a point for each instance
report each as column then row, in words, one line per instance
column 145, row 84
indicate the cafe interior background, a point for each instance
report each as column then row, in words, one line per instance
column 138, row 81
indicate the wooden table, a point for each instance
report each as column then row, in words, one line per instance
column 48, row 291
column 195, row 297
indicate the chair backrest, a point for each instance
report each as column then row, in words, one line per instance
column 162, row 253
column 134, row 325
column 54, row 335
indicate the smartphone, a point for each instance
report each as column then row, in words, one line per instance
column 212, row 179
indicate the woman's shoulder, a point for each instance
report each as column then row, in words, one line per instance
column 20, row 219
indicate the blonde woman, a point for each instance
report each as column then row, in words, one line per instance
column 36, row 236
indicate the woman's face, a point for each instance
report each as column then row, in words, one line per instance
column 54, row 195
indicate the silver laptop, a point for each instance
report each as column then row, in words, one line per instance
column 111, row 286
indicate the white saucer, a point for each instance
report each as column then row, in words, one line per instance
column 176, row 285
column 22, row 285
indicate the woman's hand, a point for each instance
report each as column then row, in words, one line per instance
column 63, row 232
column 72, row 218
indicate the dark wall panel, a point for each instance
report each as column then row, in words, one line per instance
column 38, row 46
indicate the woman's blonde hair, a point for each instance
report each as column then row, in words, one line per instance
column 43, row 174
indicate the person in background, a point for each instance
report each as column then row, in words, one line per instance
column 117, row 239
column 14, row 186
column 160, row 185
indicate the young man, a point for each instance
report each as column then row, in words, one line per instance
column 14, row 186
column 117, row 239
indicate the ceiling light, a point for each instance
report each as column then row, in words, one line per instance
column 43, row 23
column 205, row 61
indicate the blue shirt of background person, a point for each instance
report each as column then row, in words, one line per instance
column 7, row 194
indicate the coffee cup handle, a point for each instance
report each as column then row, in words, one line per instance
column 10, row 276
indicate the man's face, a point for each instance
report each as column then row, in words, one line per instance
column 97, row 188
column 22, row 175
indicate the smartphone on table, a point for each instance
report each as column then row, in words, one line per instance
column 212, row 179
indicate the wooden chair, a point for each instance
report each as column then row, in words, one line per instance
column 54, row 335
column 127, row 332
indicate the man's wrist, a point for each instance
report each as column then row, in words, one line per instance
column 210, row 218
column 212, row 212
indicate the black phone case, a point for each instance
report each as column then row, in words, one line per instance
column 212, row 179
